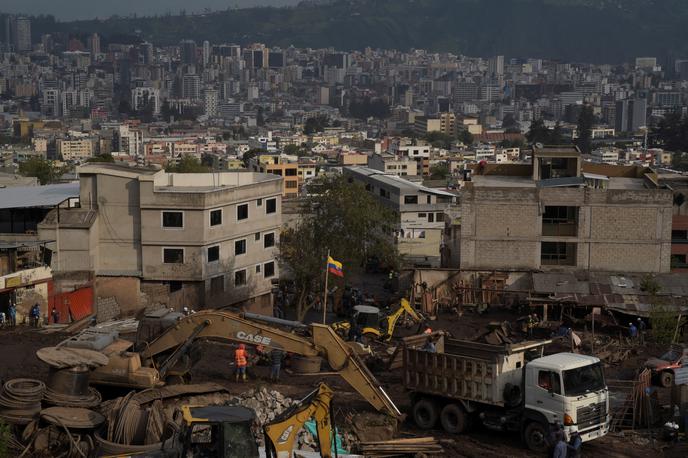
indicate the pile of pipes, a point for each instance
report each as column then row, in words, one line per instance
column 421, row 446
column 20, row 400
column 131, row 424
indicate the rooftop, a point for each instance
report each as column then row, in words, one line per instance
column 37, row 196
column 398, row 182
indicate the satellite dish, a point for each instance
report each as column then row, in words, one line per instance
column 539, row 145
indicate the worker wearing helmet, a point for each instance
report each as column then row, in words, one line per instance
column 240, row 360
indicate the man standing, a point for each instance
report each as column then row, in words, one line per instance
column 56, row 316
column 642, row 327
column 276, row 357
column 240, row 361
column 35, row 315
column 530, row 325
column 13, row 314
column 632, row 331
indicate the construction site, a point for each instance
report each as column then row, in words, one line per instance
column 436, row 362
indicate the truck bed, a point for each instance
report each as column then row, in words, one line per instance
column 465, row 370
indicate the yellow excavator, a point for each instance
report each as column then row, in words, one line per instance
column 372, row 326
column 171, row 353
column 227, row 431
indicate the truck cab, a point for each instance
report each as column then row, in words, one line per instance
column 570, row 389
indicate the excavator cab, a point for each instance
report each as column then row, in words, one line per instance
column 366, row 316
column 153, row 324
column 218, row 431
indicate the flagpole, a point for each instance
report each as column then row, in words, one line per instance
column 325, row 294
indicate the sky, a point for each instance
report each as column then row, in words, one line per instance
column 66, row 10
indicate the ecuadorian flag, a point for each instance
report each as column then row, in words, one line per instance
column 334, row 267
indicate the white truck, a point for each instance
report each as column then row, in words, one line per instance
column 507, row 387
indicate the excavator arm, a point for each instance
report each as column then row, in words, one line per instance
column 324, row 342
column 280, row 434
column 404, row 307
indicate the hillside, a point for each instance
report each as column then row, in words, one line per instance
column 571, row 30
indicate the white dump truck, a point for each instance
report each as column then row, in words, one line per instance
column 507, row 387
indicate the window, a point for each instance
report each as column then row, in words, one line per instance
column 217, row 285
column 560, row 221
column 290, row 173
column 259, row 202
column 240, row 277
column 384, row 193
column 429, row 199
column 173, row 219
column 257, row 236
column 291, row 184
column 271, row 206
column 242, row 212
column 431, row 217
column 269, row 240
column 558, row 254
column 174, row 286
column 216, row 217
column 422, row 215
column 240, row 247
column 258, row 268
column 549, row 381
column 410, row 199
column 269, row 269
column 368, row 187
column 173, row 255
column 679, row 236
column 213, row 253
column 439, row 217
column 678, row 261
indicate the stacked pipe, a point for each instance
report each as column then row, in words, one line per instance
column 69, row 388
column 20, row 400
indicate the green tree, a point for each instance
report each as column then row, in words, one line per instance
column 586, row 119
column 187, row 164
column 250, row 154
column 106, row 157
column 538, row 132
column 466, row 137
column 46, row 171
column 314, row 125
column 439, row 139
column 293, row 150
column 556, row 137
column 347, row 220
column 439, row 171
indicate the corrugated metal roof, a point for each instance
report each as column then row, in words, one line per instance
column 559, row 283
column 37, row 196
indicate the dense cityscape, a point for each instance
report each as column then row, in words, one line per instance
column 516, row 219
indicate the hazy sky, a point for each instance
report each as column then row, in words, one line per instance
column 87, row 9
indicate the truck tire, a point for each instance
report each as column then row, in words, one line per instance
column 454, row 419
column 666, row 379
column 425, row 413
column 535, row 436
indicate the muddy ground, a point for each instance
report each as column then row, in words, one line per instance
column 19, row 360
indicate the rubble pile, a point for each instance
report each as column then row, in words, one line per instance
column 267, row 404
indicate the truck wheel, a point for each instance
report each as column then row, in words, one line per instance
column 425, row 414
column 666, row 379
column 536, row 437
column 454, row 419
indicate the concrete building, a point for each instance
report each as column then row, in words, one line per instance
column 149, row 237
column 444, row 123
column 562, row 214
column 75, row 149
column 278, row 165
column 394, row 165
column 141, row 97
column 420, row 212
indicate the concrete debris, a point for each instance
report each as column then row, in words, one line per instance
column 267, row 404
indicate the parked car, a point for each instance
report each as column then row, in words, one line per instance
column 663, row 367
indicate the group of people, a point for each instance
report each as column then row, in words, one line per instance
column 9, row 319
column 242, row 358
column 637, row 332
column 562, row 449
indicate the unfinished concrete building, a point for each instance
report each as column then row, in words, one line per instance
column 562, row 214
column 155, row 238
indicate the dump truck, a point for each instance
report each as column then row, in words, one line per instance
column 510, row 387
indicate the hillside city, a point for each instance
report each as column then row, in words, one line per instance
column 502, row 201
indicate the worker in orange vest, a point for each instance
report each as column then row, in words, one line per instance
column 241, row 360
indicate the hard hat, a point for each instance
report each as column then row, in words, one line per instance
column 638, row 318
column 186, row 309
column 427, row 331
column 630, row 324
